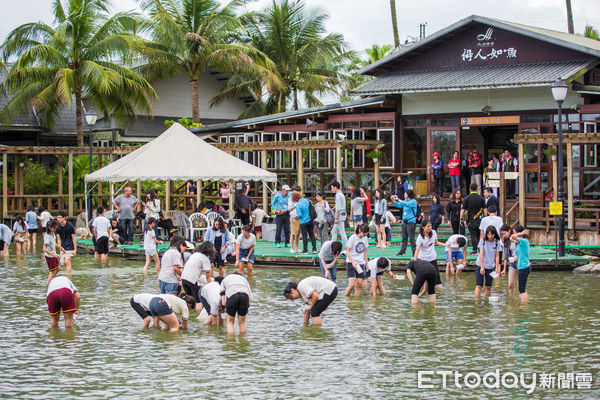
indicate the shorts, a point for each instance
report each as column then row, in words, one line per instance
column 218, row 260
column 32, row 230
column 523, row 275
column 388, row 234
column 373, row 274
column 456, row 255
column 52, row 263
column 237, row 304
column 67, row 254
column 2, row 243
column 191, row 289
column 430, row 276
column 322, row 304
column 95, row 243
column 159, row 307
column 102, row 245
column 150, row 252
column 379, row 219
column 512, row 265
column 244, row 254
column 168, row 288
column 479, row 277
column 44, row 229
column 295, row 226
column 352, row 273
column 61, row 299
column 258, row 229
column 357, row 218
column 139, row 309
column 205, row 304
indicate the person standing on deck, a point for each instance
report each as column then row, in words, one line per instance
column 509, row 164
column 476, row 167
column 454, row 169
column 243, row 207
column 473, row 206
column 409, row 220
column 437, row 168
column 279, row 205
column 339, row 224
column 126, row 205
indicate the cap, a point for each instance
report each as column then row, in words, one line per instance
column 475, row 151
column 285, row 187
column 470, row 153
column 436, row 154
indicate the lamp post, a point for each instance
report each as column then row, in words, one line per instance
column 90, row 118
column 559, row 91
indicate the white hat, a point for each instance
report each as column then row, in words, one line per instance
column 285, row 187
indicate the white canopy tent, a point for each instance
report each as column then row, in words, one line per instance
column 177, row 154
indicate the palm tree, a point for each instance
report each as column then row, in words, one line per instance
column 295, row 57
column 570, row 27
column 376, row 52
column 591, row 32
column 195, row 36
column 74, row 58
column 395, row 23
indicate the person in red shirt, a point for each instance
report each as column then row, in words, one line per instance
column 454, row 167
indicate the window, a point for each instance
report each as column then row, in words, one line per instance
column 320, row 158
column 286, row 159
column 333, row 125
column 350, row 125
column 222, row 139
column 385, row 124
column 368, row 124
column 386, row 136
column 271, row 155
column 306, row 154
column 415, row 145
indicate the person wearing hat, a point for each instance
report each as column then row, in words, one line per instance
column 279, row 205
column 316, row 292
column 476, row 167
column 438, row 174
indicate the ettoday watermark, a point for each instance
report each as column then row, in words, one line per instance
column 528, row 381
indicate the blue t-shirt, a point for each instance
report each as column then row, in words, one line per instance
column 31, row 220
column 302, row 210
column 523, row 253
column 409, row 212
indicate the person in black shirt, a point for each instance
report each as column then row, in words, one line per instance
column 453, row 209
column 243, row 207
column 490, row 199
column 509, row 164
column 473, row 205
column 426, row 276
column 436, row 213
column 66, row 239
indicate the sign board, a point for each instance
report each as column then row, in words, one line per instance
column 511, row 175
column 493, row 183
column 556, row 208
column 362, row 147
column 493, row 175
column 504, row 120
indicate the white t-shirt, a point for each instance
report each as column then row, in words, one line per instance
column 358, row 248
column 45, row 216
column 143, row 299
column 60, row 282
column 246, row 243
column 195, row 266
column 491, row 220
column 101, row 223
column 293, row 204
column 149, row 236
column 235, row 283
column 171, row 258
column 427, row 251
column 388, row 217
column 452, row 241
column 212, row 293
column 177, row 304
column 373, row 270
column 258, row 215
column 312, row 284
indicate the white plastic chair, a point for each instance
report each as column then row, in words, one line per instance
column 198, row 223
column 182, row 223
column 110, row 214
column 212, row 217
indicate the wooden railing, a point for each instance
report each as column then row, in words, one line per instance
column 542, row 216
column 509, row 214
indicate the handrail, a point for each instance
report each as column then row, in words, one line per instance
column 509, row 213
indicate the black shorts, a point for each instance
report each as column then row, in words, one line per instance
column 32, row 230
column 388, row 234
column 102, row 245
column 2, row 243
column 44, row 229
column 237, row 304
column 523, row 274
column 322, row 304
column 141, row 311
column 204, row 304
column 95, row 243
column 429, row 276
column 479, row 277
column 352, row 273
column 191, row 289
column 379, row 219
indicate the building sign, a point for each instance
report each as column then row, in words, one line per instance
column 556, row 208
column 505, row 120
column 486, row 50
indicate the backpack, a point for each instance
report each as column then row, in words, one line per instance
column 329, row 216
column 312, row 213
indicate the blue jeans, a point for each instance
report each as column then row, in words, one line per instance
column 332, row 271
column 127, row 225
column 455, row 181
column 168, row 288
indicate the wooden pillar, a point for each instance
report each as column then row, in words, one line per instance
column 338, row 164
column 300, row 165
column 570, row 199
column 111, row 188
column 231, row 198
column 198, row 192
column 502, row 195
column 4, row 185
column 60, row 184
column 139, row 190
column 168, row 196
column 375, row 175
column 521, row 168
column 265, row 194
column 70, row 184
column 99, row 183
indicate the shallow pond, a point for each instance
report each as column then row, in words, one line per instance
column 367, row 348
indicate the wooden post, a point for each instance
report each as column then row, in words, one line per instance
column 231, row 198
column 338, row 164
column 198, row 192
column 571, row 209
column 70, row 184
column 375, row 175
column 521, row 168
column 139, row 190
column 4, row 185
column 111, row 187
column 99, row 183
column 168, row 196
column 300, row 165
column 60, row 184
column 502, row 196
column 265, row 194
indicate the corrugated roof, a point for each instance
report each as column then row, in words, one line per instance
column 535, row 74
column 569, row 40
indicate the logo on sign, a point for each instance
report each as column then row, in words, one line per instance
column 485, row 36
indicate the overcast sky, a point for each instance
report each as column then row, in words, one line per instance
column 366, row 22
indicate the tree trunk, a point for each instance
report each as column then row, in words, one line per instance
column 295, row 92
column 79, row 117
column 282, row 103
column 395, row 23
column 570, row 17
column 195, row 104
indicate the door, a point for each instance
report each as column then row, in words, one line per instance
column 444, row 140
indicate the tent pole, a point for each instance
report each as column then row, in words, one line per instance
column 112, row 195
column 231, row 198
column 263, row 162
column 70, row 186
column 198, row 192
column 168, row 196
column 87, row 219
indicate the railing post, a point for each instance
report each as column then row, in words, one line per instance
column 521, row 168
column 60, row 182
column 4, row 185
column 70, row 185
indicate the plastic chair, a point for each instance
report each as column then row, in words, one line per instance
column 198, row 223
column 212, row 217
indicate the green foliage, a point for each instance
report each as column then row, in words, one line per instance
column 591, row 32
column 374, row 154
column 38, row 180
column 186, row 122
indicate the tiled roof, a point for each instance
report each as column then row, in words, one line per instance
column 153, row 127
column 535, row 74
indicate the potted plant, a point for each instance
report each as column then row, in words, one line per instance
column 375, row 155
column 550, row 152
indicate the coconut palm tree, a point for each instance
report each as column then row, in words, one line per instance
column 395, row 23
column 570, row 26
column 296, row 58
column 591, row 32
column 72, row 60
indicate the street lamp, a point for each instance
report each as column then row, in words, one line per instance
column 90, row 118
column 559, row 91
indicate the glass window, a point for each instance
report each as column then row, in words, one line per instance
column 415, row 148
column 368, row 124
column 333, row 125
column 387, row 136
column 536, row 118
column 350, row 125
column 416, row 122
column 385, row 124
column 445, row 122
column 531, row 153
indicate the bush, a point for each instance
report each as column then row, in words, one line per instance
column 38, row 180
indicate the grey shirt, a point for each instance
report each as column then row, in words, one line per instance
column 340, row 203
column 126, row 205
column 356, row 204
column 6, row 234
column 326, row 252
column 489, row 253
